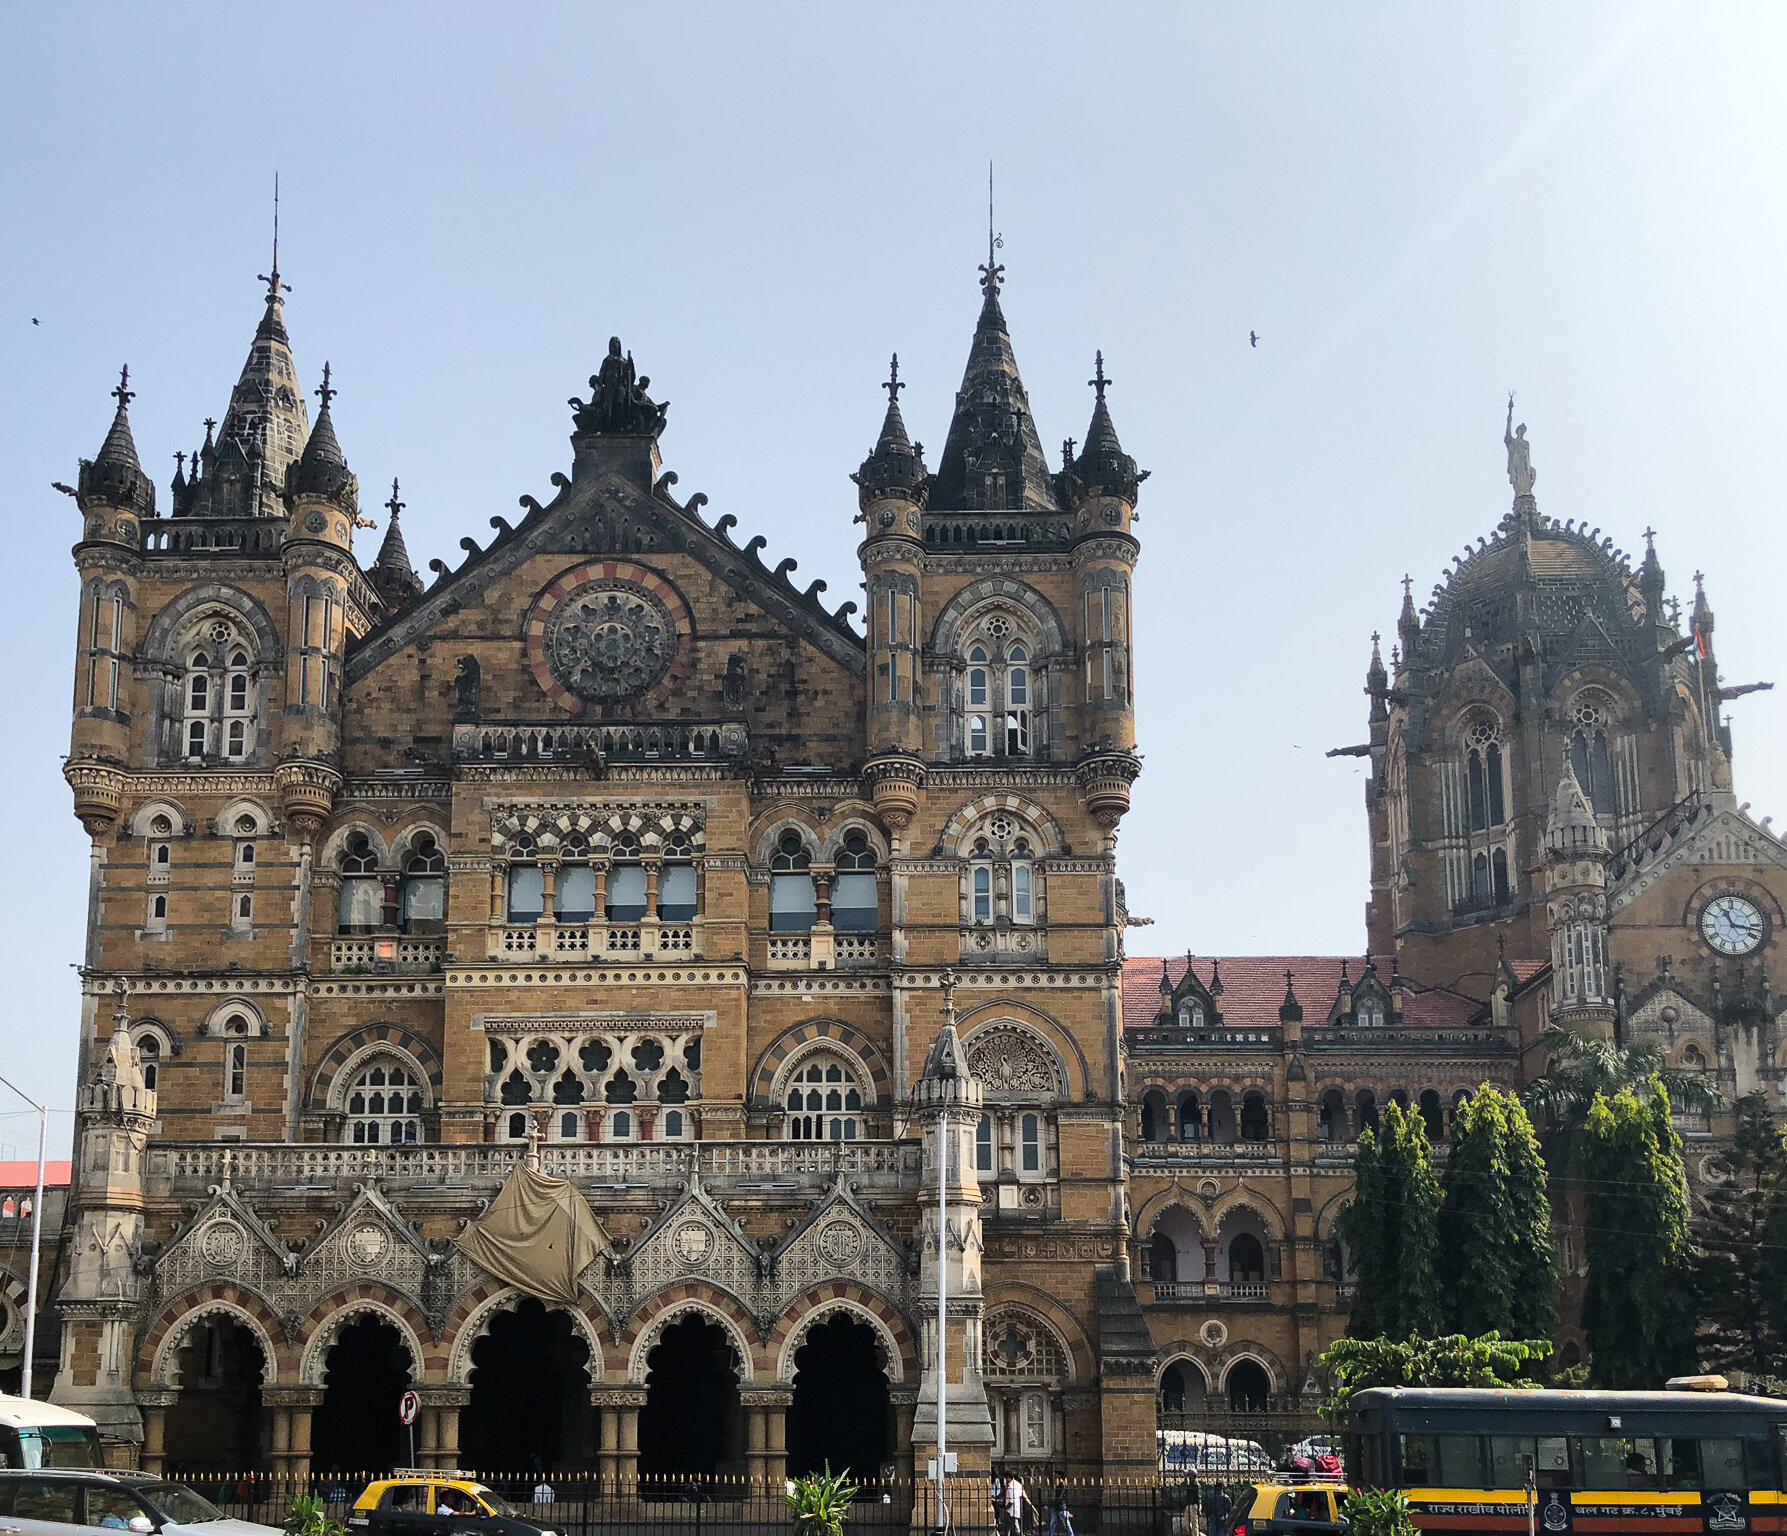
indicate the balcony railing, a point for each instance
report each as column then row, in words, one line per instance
column 181, row 1168
column 790, row 949
column 406, row 956
column 1199, row 1292
column 613, row 742
column 583, row 941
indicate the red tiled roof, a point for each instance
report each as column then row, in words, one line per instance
column 1253, row 990
column 24, row 1175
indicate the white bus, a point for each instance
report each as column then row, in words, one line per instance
column 38, row 1434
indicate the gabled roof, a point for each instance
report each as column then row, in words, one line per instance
column 1253, row 990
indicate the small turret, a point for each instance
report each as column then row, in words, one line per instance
column 1576, row 858
column 1103, row 468
column 113, row 481
column 1571, row 829
column 392, row 574
column 1377, row 683
column 895, row 468
column 1650, row 579
column 321, row 473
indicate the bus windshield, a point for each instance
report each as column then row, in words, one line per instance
column 50, row 1445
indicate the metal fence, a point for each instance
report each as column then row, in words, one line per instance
column 583, row 1506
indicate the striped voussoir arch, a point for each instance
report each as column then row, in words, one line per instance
column 793, row 1039
column 350, row 1045
column 824, row 1298
column 354, row 1297
column 695, row 1295
column 219, row 1296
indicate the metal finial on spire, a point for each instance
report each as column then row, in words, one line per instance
column 1067, row 446
column 1098, row 381
column 1650, row 538
column 394, row 506
column 324, row 392
column 124, row 394
column 993, row 271
column 1408, row 583
column 893, row 386
column 274, row 286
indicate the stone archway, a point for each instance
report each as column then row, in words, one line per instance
column 693, row 1422
column 529, row 1410
column 840, row 1416
column 215, row 1423
column 365, row 1370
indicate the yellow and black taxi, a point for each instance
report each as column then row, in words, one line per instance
column 1274, row 1506
column 423, row 1501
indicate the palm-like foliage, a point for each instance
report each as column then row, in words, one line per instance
column 1587, row 1067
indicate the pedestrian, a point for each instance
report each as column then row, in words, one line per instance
column 543, row 1493
column 1060, row 1516
column 1218, row 1506
column 1016, row 1504
column 997, row 1491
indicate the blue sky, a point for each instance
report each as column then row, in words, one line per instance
column 1417, row 207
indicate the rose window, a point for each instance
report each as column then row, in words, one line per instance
column 610, row 640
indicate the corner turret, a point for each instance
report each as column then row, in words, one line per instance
column 113, row 490
column 392, row 574
column 1576, row 858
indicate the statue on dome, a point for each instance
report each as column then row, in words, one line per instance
column 1521, row 473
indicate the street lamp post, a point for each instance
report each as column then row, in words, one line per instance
column 43, row 1130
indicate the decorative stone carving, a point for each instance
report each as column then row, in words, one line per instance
column 609, row 640
column 1011, row 1063
column 840, row 1242
column 1214, row 1333
column 693, row 1242
column 222, row 1244
column 367, row 1245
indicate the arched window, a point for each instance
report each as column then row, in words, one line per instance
column 1334, row 1116
column 217, row 692
column 1255, row 1123
column 620, row 1125
column 1591, row 755
column 823, row 1101
column 235, row 1072
column 149, row 1055
column 626, row 883
column 855, row 904
column 676, row 882
column 570, row 1126
column 1222, row 1116
column 673, row 1124
column 1023, row 882
column 574, row 892
column 1000, row 694
column 1155, row 1119
column 1485, row 784
column 1433, row 1116
column 1029, row 1142
column 1366, row 1105
column 1247, row 1260
column 1191, row 1119
column 517, row 1128
column 793, row 905
column 1163, row 1259
column 384, row 1104
column 983, row 1145
column 198, row 703
column 1368, row 1010
column 526, row 882
column 980, row 877
column 1191, row 1013
column 362, row 908
column 423, row 900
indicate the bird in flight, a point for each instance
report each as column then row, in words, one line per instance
column 34, row 319
column 1253, row 338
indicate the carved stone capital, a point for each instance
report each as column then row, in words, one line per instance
column 617, row 1397
column 766, row 1397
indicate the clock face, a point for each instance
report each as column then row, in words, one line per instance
column 1732, row 924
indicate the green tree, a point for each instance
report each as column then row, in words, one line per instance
column 1453, row 1361
column 1743, row 1280
column 1391, row 1225
column 1586, row 1067
column 1638, row 1307
column 1499, row 1264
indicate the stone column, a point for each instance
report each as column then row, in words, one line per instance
column 619, row 1407
column 154, row 1403
column 294, row 1405
column 443, row 1405
column 756, row 1437
column 775, row 1464
column 903, row 1403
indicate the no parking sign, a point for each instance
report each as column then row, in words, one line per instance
column 408, row 1406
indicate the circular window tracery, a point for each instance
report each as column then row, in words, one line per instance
column 610, row 640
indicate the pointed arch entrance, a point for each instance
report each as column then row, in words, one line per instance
column 216, row 1423
column 840, row 1413
column 355, row 1427
column 529, row 1410
column 692, row 1424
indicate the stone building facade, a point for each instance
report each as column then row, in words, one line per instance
column 615, row 849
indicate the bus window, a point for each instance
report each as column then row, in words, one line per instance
column 1761, row 1468
column 1553, row 1466
column 1617, row 1463
column 1681, row 1463
column 1420, row 1462
column 1721, row 1463
column 50, row 1445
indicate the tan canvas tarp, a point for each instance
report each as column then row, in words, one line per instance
column 538, row 1235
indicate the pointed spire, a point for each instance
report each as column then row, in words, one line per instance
column 1703, row 617
column 1103, row 467
column 322, row 472
column 392, row 573
column 1571, row 829
column 1377, row 682
column 266, row 425
column 1290, row 1011
column 992, row 458
column 115, row 476
column 895, row 468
